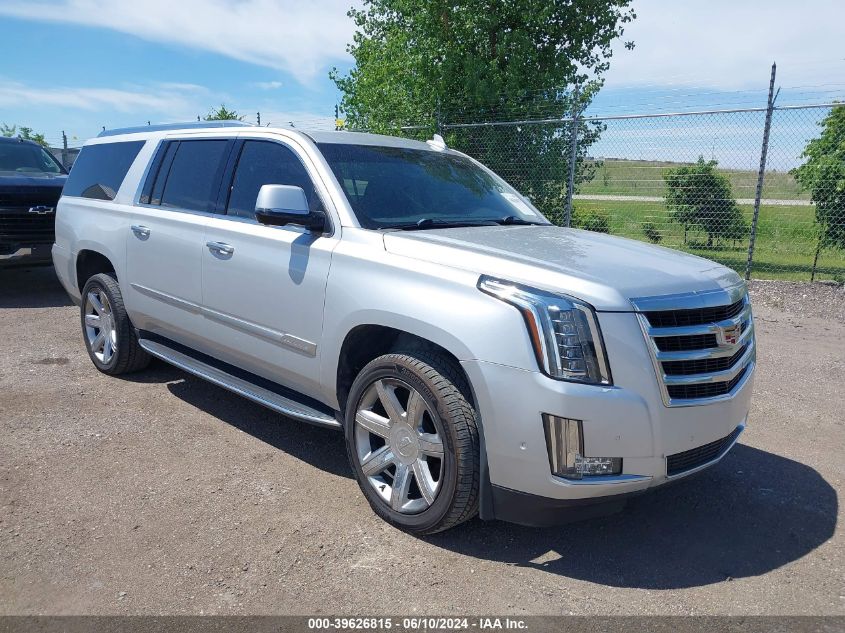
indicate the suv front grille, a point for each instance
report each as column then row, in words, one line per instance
column 17, row 224
column 696, row 316
column 693, row 458
column 700, row 353
column 22, row 227
column 680, row 343
column 705, row 390
column 702, row 365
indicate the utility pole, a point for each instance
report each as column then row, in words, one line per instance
column 64, row 149
column 258, row 116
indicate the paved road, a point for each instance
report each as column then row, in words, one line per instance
column 159, row 493
column 763, row 202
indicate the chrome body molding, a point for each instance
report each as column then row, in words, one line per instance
column 168, row 299
column 691, row 300
column 276, row 402
column 598, row 480
column 713, row 461
column 274, row 336
column 18, row 254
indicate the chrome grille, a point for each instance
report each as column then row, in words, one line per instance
column 702, row 344
column 674, row 318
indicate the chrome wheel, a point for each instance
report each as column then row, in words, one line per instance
column 399, row 445
column 100, row 331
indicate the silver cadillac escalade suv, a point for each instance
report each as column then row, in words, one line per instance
column 478, row 359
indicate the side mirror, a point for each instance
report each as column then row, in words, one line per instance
column 279, row 205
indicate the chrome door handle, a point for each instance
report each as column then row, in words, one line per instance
column 220, row 247
column 140, row 231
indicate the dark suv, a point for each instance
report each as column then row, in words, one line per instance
column 31, row 182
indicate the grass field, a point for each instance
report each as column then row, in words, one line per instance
column 645, row 178
column 785, row 246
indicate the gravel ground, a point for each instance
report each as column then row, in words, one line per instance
column 158, row 493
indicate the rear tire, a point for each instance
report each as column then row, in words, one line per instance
column 106, row 329
column 412, row 440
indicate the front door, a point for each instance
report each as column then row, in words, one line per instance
column 264, row 286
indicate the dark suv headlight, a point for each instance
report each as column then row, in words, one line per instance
column 564, row 331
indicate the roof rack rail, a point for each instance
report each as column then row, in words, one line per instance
column 173, row 126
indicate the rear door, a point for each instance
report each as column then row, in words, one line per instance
column 165, row 242
column 264, row 286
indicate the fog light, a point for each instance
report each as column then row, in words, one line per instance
column 565, row 444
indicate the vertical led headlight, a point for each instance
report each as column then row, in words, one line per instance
column 564, row 331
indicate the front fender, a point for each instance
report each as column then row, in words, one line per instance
column 432, row 301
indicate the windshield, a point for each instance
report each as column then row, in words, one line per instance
column 26, row 158
column 396, row 187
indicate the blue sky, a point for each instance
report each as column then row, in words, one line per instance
column 78, row 65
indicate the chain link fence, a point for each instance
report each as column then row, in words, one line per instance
column 686, row 181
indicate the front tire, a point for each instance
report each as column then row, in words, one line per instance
column 412, row 440
column 106, row 329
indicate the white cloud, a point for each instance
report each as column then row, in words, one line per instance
column 300, row 38
column 171, row 99
column 730, row 45
column 267, row 85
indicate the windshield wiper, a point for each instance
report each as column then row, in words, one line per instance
column 512, row 219
column 430, row 223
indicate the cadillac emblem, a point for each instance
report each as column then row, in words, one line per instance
column 730, row 335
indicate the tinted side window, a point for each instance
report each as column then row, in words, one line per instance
column 194, row 176
column 99, row 170
column 265, row 163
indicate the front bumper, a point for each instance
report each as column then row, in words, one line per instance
column 627, row 420
column 536, row 511
column 34, row 255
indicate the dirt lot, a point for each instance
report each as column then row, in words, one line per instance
column 159, row 493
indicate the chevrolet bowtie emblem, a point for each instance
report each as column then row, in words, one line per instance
column 41, row 210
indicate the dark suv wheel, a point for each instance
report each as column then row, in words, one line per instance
column 412, row 439
column 108, row 334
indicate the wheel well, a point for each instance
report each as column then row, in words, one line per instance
column 90, row 263
column 366, row 342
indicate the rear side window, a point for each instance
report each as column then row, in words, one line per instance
column 193, row 179
column 99, row 170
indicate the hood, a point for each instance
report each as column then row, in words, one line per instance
column 40, row 179
column 603, row 270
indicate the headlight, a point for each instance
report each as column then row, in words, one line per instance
column 563, row 331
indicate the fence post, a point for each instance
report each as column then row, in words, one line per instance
column 64, row 149
column 761, row 173
column 573, row 154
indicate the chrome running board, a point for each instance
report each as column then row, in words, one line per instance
column 263, row 396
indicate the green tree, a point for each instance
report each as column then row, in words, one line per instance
column 424, row 64
column 823, row 175
column 24, row 132
column 698, row 196
column 223, row 114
